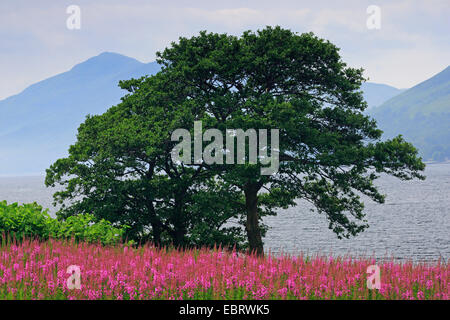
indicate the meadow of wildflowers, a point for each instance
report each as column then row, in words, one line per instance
column 38, row 270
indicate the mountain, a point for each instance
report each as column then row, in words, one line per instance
column 422, row 115
column 38, row 125
column 376, row 93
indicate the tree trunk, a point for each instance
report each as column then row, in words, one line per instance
column 155, row 223
column 179, row 223
column 156, row 230
column 252, row 225
column 178, row 240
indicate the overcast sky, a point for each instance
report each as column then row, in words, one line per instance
column 412, row 44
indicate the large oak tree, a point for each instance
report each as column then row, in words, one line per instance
column 330, row 151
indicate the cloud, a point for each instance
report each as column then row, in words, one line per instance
column 413, row 41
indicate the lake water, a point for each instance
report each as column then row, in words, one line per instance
column 413, row 223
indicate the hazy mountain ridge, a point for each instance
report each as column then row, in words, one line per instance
column 422, row 115
column 376, row 94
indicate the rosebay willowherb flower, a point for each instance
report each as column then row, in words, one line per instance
column 37, row 270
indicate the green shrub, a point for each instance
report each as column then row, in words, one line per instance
column 30, row 220
column 82, row 227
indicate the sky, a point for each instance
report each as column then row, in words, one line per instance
column 411, row 45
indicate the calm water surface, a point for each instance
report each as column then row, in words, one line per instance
column 413, row 223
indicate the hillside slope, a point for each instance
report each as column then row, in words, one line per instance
column 376, row 94
column 422, row 115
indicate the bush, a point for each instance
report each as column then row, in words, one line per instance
column 31, row 221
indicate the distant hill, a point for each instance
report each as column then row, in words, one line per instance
column 376, row 94
column 38, row 125
column 422, row 115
